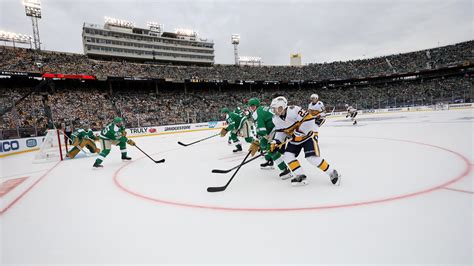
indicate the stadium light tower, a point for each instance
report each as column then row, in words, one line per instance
column 235, row 42
column 119, row 22
column 156, row 27
column 250, row 60
column 33, row 10
column 15, row 38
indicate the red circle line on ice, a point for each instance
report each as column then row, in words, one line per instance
column 464, row 173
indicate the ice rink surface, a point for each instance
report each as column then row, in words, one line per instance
column 406, row 196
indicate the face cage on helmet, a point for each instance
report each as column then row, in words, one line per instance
column 274, row 110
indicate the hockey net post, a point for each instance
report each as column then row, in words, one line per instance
column 53, row 148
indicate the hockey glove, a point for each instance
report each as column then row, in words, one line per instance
column 223, row 132
column 254, row 147
column 131, row 142
column 274, row 145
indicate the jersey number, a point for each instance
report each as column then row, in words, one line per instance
column 105, row 130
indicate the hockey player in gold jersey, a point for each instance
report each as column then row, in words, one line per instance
column 295, row 123
column 317, row 110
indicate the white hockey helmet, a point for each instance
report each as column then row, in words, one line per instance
column 346, row 105
column 279, row 104
column 314, row 96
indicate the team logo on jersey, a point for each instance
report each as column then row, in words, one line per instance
column 31, row 143
column 212, row 124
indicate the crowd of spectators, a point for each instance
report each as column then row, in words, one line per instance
column 27, row 114
column 83, row 105
column 29, row 61
column 385, row 95
column 74, row 106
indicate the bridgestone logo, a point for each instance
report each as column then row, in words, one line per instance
column 177, row 128
column 460, row 105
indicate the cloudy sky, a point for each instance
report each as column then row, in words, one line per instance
column 321, row 30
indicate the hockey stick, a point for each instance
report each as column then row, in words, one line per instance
column 77, row 146
column 182, row 144
column 159, row 161
column 218, row 189
column 332, row 112
column 219, row 171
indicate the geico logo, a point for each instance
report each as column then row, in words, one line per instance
column 9, row 146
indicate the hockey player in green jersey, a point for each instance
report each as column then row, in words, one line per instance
column 238, row 110
column 113, row 134
column 263, row 122
column 83, row 138
column 237, row 125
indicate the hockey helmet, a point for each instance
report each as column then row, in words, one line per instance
column 254, row 102
column 279, row 104
column 225, row 110
column 118, row 120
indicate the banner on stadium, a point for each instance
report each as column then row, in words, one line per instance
column 460, row 105
column 68, row 76
column 144, row 131
column 10, row 146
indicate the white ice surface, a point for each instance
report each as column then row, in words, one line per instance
column 141, row 212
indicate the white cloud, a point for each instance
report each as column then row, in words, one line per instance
column 320, row 30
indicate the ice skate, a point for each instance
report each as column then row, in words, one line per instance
column 299, row 180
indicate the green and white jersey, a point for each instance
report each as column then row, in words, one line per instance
column 112, row 132
column 81, row 134
column 263, row 120
column 234, row 121
column 238, row 110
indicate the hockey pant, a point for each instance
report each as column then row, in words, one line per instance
column 86, row 142
column 311, row 153
column 107, row 145
column 244, row 131
column 275, row 156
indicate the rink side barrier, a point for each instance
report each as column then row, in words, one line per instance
column 455, row 106
column 24, row 145
column 19, row 146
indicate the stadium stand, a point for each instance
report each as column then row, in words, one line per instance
column 182, row 94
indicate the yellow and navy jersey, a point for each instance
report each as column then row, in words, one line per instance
column 351, row 110
column 296, row 123
column 316, row 109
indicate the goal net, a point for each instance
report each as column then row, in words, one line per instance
column 53, row 148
